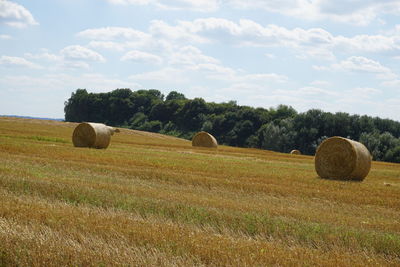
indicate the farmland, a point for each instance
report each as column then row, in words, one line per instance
column 154, row 200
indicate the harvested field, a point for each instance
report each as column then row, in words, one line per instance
column 154, row 200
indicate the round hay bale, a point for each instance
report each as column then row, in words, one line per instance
column 342, row 159
column 204, row 139
column 90, row 134
column 295, row 152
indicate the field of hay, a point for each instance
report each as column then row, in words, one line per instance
column 154, row 200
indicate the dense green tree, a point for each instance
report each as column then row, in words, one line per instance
column 137, row 120
column 379, row 144
column 277, row 136
column 280, row 129
column 77, row 107
column 151, row 126
column 193, row 114
column 174, row 95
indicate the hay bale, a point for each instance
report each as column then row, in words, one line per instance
column 295, row 152
column 90, row 134
column 204, row 139
column 342, row 159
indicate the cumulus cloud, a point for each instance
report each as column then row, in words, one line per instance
column 73, row 65
column 365, row 92
column 368, row 43
column 392, row 83
column 109, row 45
column 15, row 15
column 357, row 63
column 77, row 52
column 139, row 56
column 166, row 75
column 130, row 2
column 190, row 55
column 18, row 61
column 214, row 71
column 194, row 5
column 264, row 77
column 315, row 43
column 47, row 82
column 357, row 12
column 44, row 56
column 5, row 37
column 320, row 83
column 162, row 30
column 113, row 33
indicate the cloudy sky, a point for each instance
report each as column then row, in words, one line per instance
column 332, row 55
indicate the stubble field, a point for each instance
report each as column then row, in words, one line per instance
column 154, row 200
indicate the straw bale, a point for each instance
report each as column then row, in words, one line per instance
column 295, row 152
column 204, row 139
column 90, row 134
column 342, row 159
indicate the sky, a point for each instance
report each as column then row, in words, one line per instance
column 324, row 54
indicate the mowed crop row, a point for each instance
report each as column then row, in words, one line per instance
column 155, row 200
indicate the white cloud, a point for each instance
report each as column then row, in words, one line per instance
column 359, row 64
column 195, row 5
column 264, row 77
column 315, row 91
column 113, row 33
column 15, row 15
column 130, row 2
column 358, row 12
column 44, row 56
column 368, row 43
column 72, row 65
column 18, row 61
column 315, row 43
column 387, row 76
column 110, row 45
column 190, row 55
column 392, row 83
column 5, row 37
column 363, row 64
column 162, row 30
column 64, row 82
column 364, row 92
column 166, row 75
column 320, row 68
column 139, row 56
column 214, row 71
column 77, row 52
column 320, row 83
column 307, row 92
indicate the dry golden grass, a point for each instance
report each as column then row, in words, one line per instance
column 154, row 200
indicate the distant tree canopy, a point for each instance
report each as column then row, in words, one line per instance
column 280, row 129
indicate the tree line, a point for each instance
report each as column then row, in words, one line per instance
column 279, row 129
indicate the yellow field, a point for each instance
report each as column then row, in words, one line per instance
column 153, row 200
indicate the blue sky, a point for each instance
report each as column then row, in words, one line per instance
column 332, row 55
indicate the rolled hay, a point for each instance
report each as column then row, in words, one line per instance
column 94, row 135
column 295, row 152
column 342, row 159
column 204, row 139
